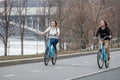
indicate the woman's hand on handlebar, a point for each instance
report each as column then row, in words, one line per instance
column 110, row 36
column 43, row 33
column 95, row 37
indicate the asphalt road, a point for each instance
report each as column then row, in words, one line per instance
column 108, row 75
column 65, row 69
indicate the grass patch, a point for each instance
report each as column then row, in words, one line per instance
column 13, row 57
column 19, row 57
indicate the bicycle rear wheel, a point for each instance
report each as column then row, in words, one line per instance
column 46, row 57
column 100, row 60
column 54, row 58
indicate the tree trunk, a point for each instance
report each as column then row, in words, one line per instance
column 22, row 49
column 5, row 49
column 118, row 40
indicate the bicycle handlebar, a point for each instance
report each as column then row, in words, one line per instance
column 103, row 38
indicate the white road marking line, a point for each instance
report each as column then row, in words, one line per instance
column 36, row 70
column 93, row 73
column 58, row 67
column 9, row 75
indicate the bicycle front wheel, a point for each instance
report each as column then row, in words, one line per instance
column 100, row 60
column 46, row 57
column 54, row 58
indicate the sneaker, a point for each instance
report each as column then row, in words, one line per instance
column 108, row 60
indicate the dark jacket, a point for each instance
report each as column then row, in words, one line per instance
column 103, row 33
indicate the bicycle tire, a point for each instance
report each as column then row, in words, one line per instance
column 46, row 57
column 100, row 60
column 54, row 58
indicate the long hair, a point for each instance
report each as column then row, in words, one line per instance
column 55, row 22
column 106, row 25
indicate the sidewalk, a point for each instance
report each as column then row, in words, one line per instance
column 40, row 59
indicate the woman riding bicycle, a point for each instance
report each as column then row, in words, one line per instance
column 104, row 31
column 54, row 33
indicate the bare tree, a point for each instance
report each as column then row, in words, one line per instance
column 5, row 24
column 66, row 25
column 59, row 16
column 22, row 10
column 80, row 20
column 111, row 14
column 117, row 5
column 42, row 18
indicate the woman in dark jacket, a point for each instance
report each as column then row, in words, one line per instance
column 104, row 31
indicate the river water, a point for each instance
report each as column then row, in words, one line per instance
column 30, row 47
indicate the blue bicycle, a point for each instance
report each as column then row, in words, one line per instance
column 101, row 55
column 50, row 53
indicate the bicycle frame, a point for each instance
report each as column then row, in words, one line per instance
column 102, row 48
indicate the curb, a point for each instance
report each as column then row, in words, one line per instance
column 93, row 73
column 40, row 59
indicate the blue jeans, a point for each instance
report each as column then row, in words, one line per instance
column 54, row 41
